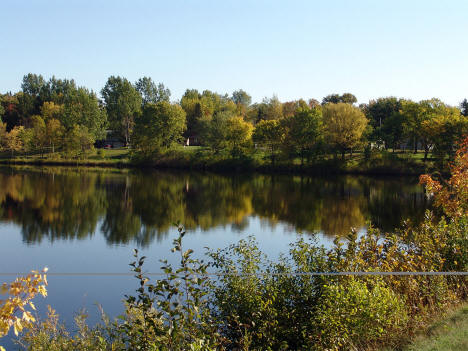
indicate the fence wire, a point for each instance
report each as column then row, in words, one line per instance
column 116, row 274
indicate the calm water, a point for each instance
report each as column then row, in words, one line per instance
column 89, row 221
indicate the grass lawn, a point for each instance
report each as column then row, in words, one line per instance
column 119, row 153
column 447, row 334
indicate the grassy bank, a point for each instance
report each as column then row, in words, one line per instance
column 117, row 158
column 447, row 334
column 200, row 158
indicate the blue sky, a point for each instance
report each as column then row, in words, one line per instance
column 309, row 49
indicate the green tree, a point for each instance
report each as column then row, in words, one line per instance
column 429, row 110
column 191, row 104
column 123, row 105
column 412, row 114
column 33, row 84
column 27, row 106
column 392, row 130
column 82, row 108
column 378, row 111
column 443, row 131
column 57, row 90
column 212, row 103
column 270, row 134
column 33, row 88
column 200, row 109
column 79, row 142
column 303, row 131
column 270, row 109
column 160, row 126
column 242, row 101
column 344, row 125
column 289, row 108
column 240, row 97
column 150, row 92
column 214, row 131
column 228, row 132
column 346, row 98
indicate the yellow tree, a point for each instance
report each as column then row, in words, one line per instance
column 14, row 308
column 13, row 139
column 3, row 136
column 344, row 125
column 238, row 135
column 54, row 133
column 51, row 110
column 443, row 131
column 39, row 137
column 438, row 121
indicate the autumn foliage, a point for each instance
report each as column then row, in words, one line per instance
column 452, row 196
column 14, row 309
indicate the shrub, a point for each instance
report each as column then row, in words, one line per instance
column 170, row 314
column 356, row 313
column 51, row 335
column 243, row 298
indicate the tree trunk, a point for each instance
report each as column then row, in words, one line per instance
column 127, row 132
column 342, row 155
column 426, row 151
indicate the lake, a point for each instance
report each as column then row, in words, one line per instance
column 88, row 221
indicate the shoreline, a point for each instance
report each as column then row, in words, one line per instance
column 236, row 166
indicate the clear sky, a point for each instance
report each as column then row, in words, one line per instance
column 308, row 49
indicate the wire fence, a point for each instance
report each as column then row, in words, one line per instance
column 110, row 274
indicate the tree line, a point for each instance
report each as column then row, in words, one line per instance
column 57, row 115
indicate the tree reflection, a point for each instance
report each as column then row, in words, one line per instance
column 52, row 206
column 139, row 207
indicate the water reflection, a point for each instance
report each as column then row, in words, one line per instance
column 57, row 203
